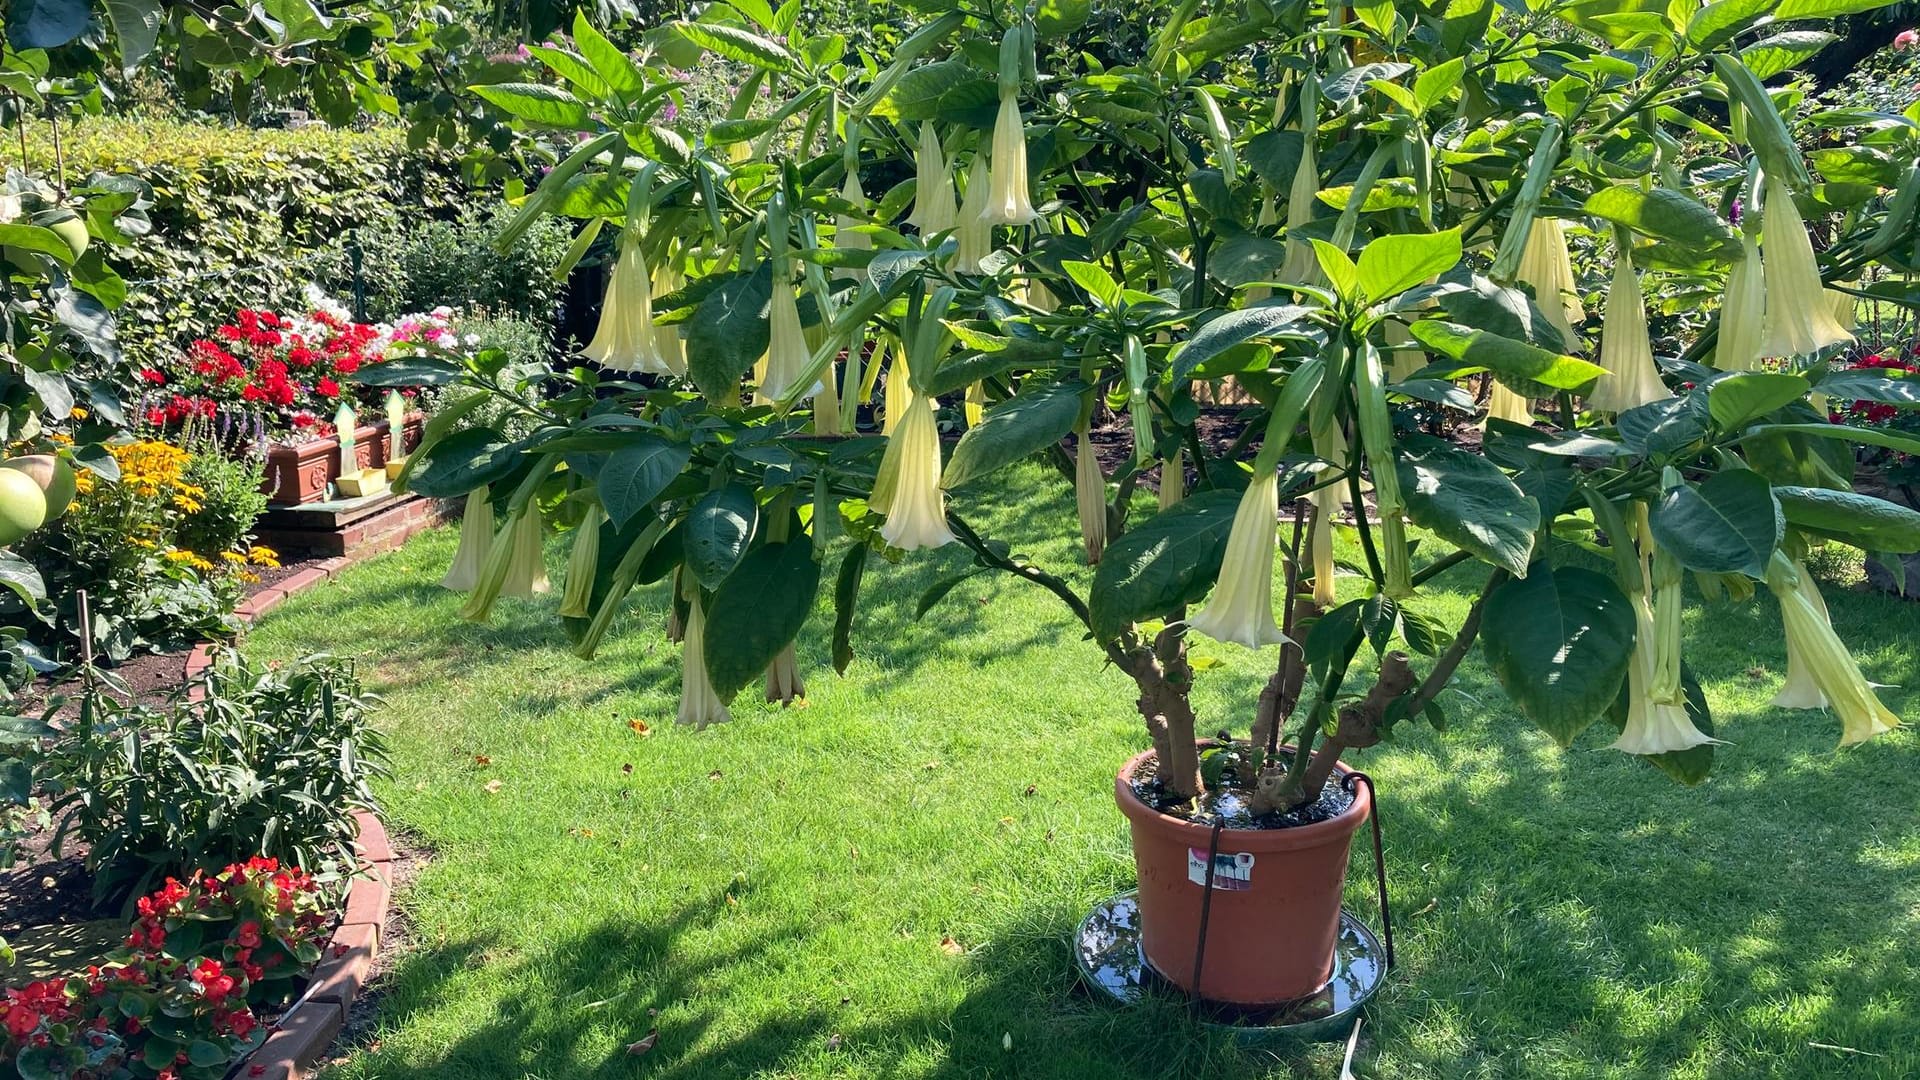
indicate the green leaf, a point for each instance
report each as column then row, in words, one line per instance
column 938, row 591
column 729, row 332
column 1340, row 271
column 1094, row 279
column 734, row 43
column 1163, row 563
column 137, row 24
column 1397, row 262
column 631, row 478
column 1665, row 214
column 1237, row 327
column 36, row 238
column 846, row 595
column 1515, row 363
column 1729, row 524
column 918, row 94
column 1743, row 395
column 1863, row 521
column 1466, row 500
column 574, row 68
column 1721, row 21
column 1026, row 423
column 1663, row 427
column 461, row 462
column 1782, row 52
column 1559, row 640
column 1057, row 18
column 614, row 66
column 1892, row 440
column 717, row 532
column 45, row 24
column 205, row 1055
column 408, row 371
column 537, row 103
column 757, row 612
column 23, row 578
column 1825, row 9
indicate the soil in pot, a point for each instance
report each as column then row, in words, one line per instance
column 1273, row 911
column 1225, row 801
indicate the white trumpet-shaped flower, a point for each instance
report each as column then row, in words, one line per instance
column 1833, row 668
column 934, row 209
column 1799, row 315
column 973, row 236
column 1008, row 200
column 1846, row 309
column 1173, row 479
column 916, row 508
column 666, row 339
column 1800, row 691
column 626, row 338
column 1743, row 311
column 846, row 233
column 1509, row 405
column 527, row 566
column 1090, row 496
column 1039, row 297
column 787, row 352
column 699, row 704
column 583, row 563
column 1241, row 607
column 1626, row 351
column 975, row 405
column 476, row 540
column 1545, row 265
column 897, row 395
column 784, row 685
column 1653, row 727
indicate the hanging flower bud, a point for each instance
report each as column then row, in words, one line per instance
column 973, row 236
column 846, row 233
column 917, row 508
column 699, row 705
column 527, row 566
column 1799, row 316
column 1330, row 446
column 975, row 405
column 784, row 685
column 898, row 395
column 1302, row 266
column 1505, row 404
column 1846, row 312
column 1545, row 265
column 1743, row 311
column 583, row 563
column 1241, row 607
column 1090, row 495
column 625, row 340
column 476, row 540
column 1834, row 671
column 1041, row 298
column 1800, row 691
column 1173, row 479
column 787, row 352
column 1626, row 351
column 933, row 206
column 1008, row 200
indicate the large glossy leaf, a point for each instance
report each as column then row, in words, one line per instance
column 45, row 24
column 1772, row 55
column 1466, row 500
column 1026, row 423
column 408, row 371
column 1397, row 262
column 461, row 462
column 633, row 477
column 729, row 332
column 1662, row 427
column 22, row 577
column 1665, row 214
column 1559, row 640
column 1164, row 562
column 717, row 532
column 1236, row 327
column 1861, row 520
column 734, row 43
column 1719, row 22
column 1512, row 362
column 1745, row 395
column 19, row 234
column 757, row 612
column 536, row 103
column 1728, row 524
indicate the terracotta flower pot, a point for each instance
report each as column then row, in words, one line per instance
column 300, row 472
column 1276, row 899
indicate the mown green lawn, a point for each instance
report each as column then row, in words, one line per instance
column 881, row 884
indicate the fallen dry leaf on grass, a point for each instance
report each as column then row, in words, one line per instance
column 640, row 728
column 951, row 947
column 833, row 1043
column 491, row 787
column 644, row 1045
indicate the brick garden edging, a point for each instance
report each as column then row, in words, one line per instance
column 308, row 1027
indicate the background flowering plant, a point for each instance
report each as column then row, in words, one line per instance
column 180, row 1000
column 272, row 376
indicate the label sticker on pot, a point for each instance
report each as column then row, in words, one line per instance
column 1233, row 872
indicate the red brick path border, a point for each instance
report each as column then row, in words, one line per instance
column 305, row 1031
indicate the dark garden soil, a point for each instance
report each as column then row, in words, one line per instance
column 1227, row 802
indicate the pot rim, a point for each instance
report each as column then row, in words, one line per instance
column 1333, row 829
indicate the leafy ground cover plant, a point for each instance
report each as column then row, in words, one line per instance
column 264, row 761
column 1339, row 215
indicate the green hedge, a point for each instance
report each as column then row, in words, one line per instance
column 247, row 217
